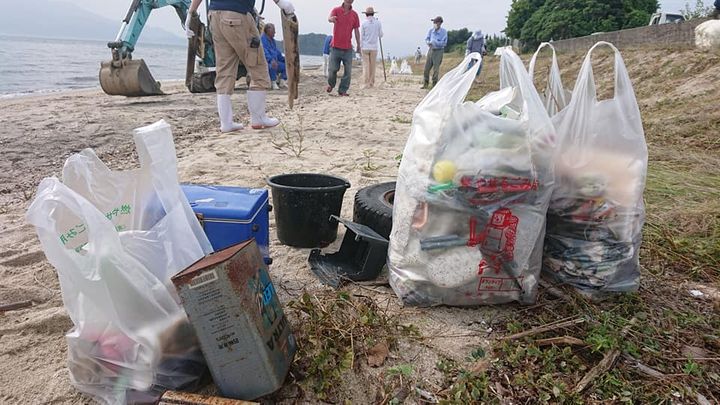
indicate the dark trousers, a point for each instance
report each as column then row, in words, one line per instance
column 346, row 57
column 434, row 60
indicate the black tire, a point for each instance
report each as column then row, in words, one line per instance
column 374, row 206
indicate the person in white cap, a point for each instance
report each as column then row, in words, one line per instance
column 371, row 32
column 236, row 40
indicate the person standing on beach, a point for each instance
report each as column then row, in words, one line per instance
column 371, row 34
column 476, row 43
column 274, row 58
column 346, row 21
column 326, row 54
column 236, row 40
column 436, row 41
column 418, row 56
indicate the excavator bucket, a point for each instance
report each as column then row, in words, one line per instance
column 130, row 78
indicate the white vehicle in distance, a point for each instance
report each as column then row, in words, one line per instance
column 666, row 18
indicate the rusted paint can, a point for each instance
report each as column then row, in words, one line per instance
column 243, row 332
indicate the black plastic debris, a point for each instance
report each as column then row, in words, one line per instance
column 361, row 257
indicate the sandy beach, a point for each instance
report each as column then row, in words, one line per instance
column 357, row 138
column 449, row 351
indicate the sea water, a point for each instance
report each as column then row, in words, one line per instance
column 38, row 65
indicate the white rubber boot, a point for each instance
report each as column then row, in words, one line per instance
column 282, row 84
column 256, row 105
column 225, row 112
column 275, row 86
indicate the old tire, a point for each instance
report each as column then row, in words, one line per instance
column 374, row 206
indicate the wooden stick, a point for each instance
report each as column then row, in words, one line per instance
column 562, row 340
column 605, row 364
column 15, row 305
column 545, row 328
column 184, row 398
column 643, row 369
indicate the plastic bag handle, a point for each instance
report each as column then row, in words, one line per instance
column 585, row 84
column 513, row 74
column 156, row 151
column 531, row 67
column 101, row 232
column 453, row 87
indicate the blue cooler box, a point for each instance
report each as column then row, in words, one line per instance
column 230, row 215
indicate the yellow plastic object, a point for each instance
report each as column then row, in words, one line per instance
column 444, row 171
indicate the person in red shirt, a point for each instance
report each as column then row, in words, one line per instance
column 346, row 21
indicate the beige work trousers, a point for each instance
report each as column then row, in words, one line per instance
column 369, row 61
column 232, row 33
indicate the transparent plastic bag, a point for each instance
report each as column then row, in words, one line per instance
column 596, row 214
column 115, row 239
column 472, row 193
column 555, row 97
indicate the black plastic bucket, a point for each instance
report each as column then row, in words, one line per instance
column 303, row 204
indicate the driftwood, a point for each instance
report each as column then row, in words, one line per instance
column 562, row 340
column 292, row 54
column 606, row 364
column 546, row 328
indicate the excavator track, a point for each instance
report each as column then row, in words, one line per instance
column 128, row 77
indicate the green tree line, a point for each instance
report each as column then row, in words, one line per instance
column 536, row 21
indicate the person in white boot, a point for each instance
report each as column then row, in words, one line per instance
column 236, row 39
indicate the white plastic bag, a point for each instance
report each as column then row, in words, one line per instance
column 115, row 239
column 405, row 68
column 596, row 215
column 472, row 194
column 394, row 70
column 555, row 97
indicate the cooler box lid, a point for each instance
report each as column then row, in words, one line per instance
column 225, row 202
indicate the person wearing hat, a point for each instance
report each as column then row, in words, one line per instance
column 346, row 21
column 436, row 40
column 371, row 32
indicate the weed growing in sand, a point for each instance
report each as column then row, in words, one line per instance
column 337, row 331
column 291, row 141
column 369, row 166
column 400, row 120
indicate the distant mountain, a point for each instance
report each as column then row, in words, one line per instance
column 54, row 19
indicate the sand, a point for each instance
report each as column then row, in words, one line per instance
column 355, row 137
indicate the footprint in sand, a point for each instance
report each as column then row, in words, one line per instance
column 25, row 260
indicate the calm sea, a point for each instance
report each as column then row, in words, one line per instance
column 36, row 65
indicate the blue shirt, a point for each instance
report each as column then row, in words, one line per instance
column 328, row 40
column 437, row 39
column 717, row 4
column 271, row 50
column 238, row 6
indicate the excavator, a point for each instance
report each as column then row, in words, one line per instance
column 125, row 76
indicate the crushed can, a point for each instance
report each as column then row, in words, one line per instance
column 244, row 334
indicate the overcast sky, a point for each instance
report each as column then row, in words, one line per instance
column 405, row 22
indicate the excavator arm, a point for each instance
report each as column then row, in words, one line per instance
column 127, row 77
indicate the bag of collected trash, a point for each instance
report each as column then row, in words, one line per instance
column 555, row 97
column 394, row 70
column 596, row 214
column 472, row 193
column 405, row 68
column 115, row 239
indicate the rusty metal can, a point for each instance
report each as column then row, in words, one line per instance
column 244, row 334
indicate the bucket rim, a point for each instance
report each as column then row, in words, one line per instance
column 271, row 181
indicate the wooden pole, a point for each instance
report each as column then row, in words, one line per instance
column 382, row 59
